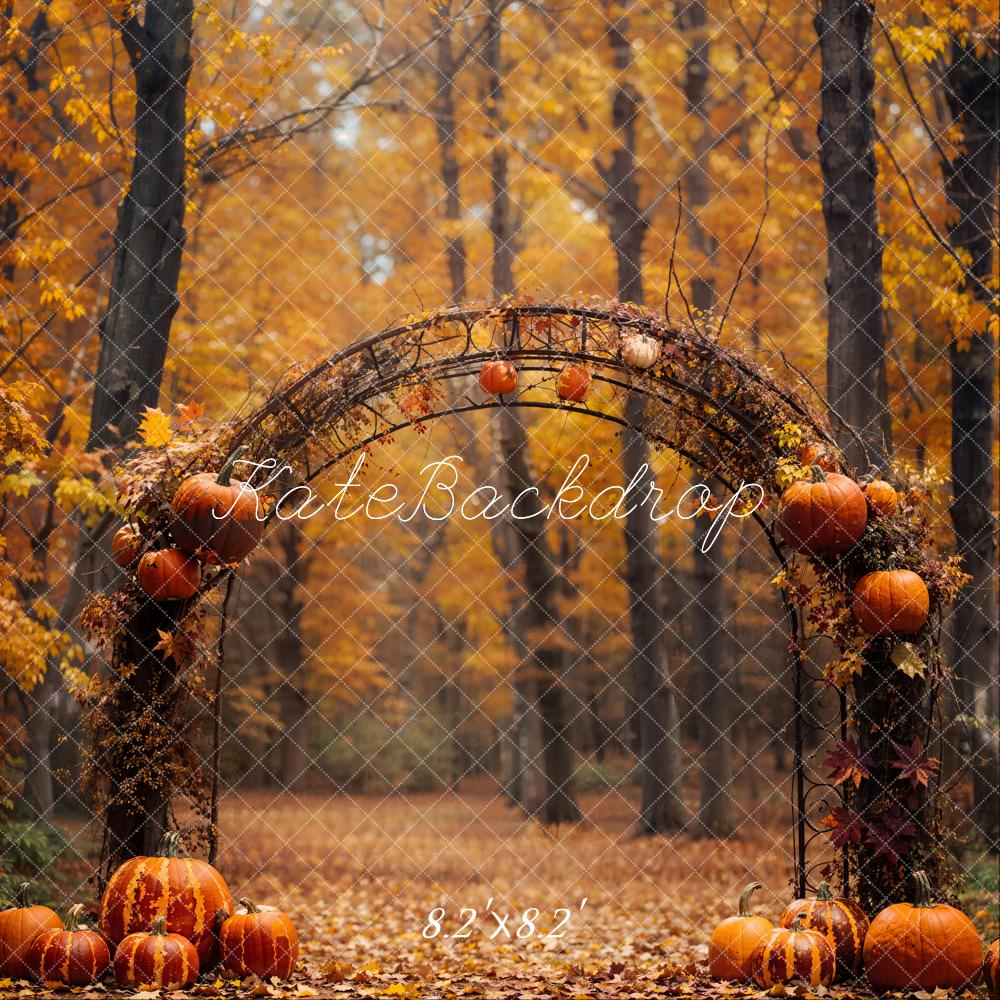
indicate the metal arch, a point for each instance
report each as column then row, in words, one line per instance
column 442, row 346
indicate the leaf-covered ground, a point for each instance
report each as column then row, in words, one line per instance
column 361, row 878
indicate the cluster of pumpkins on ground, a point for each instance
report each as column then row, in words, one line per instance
column 908, row 946
column 165, row 919
column 215, row 520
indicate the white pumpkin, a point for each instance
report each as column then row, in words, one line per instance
column 640, row 350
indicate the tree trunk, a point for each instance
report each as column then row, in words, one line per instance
column 544, row 690
column 135, row 740
column 295, row 704
column 856, row 371
column 711, row 655
column 149, row 237
column 142, row 300
column 661, row 807
column 972, row 86
column 709, row 646
column 445, row 69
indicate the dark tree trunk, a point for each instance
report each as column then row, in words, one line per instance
column 295, row 704
column 711, row 657
column 135, row 740
column 142, row 300
column 973, row 92
column 544, row 690
column 709, row 646
column 655, row 702
column 149, row 236
column 445, row 70
column 856, row 370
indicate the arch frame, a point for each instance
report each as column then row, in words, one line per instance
column 716, row 406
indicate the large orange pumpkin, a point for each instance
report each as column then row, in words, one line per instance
column 823, row 517
column 218, row 519
column 573, row 383
column 881, row 496
column 731, row 946
column 498, row 378
column 891, row 602
column 75, row 956
column 156, row 959
column 259, row 939
column 789, row 954
column 923, row 946
column 187, row 891
column 841, row 921
column 991, row 970
column 20, row 924
column 169, row 575
column 126, row 546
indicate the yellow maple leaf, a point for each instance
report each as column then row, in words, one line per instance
column 155, row 428
column 905, row 657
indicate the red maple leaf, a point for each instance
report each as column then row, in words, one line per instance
column 846, row 827
column 848, row 763
column 891, row 834
column 914, row 764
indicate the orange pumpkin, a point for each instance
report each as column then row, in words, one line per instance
column 841, row 921
column 893, row 601
column 187, row 891
column 169, row 575
column 156, row 959
column 881, row 496
column 818, row 455
column 792, row 953
column 20, row 924
column 822, row 517
column 991, row 970
column 731, row 946
column 75, row 956
column 923, row 946
column 218, row 519
column 126, row 546
column 259, row 939
column 498, row 378
column 573, row 383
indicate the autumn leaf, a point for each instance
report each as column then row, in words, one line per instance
column 847, row 763
column 155, row 428
column 905, row 657
column 890, row 834
column 178, row 646
column 189, row 411
column 845, row 827
column 914, row 764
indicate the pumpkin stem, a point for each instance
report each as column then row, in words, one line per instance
column 922, row 898
column 170, row 845
column 227, row 467
column 159, row 926
column 21, row 895
column 823, row 893
column 249, row 906
column 798, row 924
column 818, row 474
column 73, row 917
column 744, row 910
